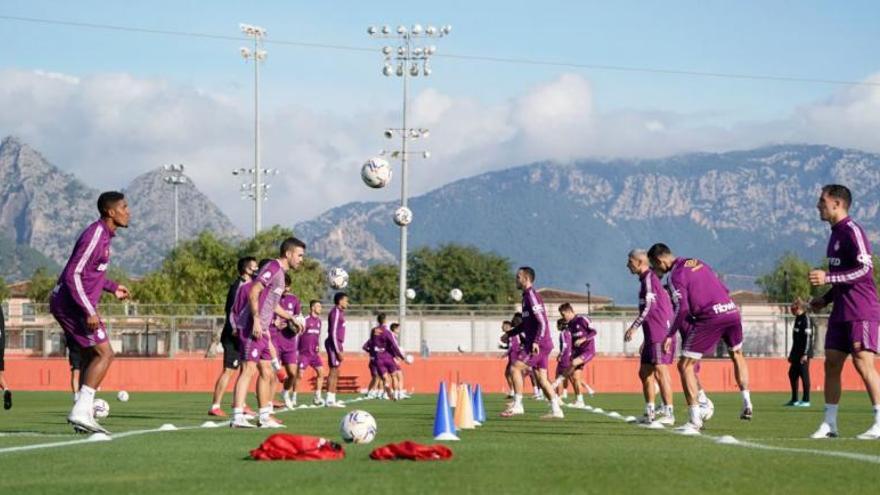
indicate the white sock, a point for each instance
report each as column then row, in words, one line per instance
column 747, row 399
column 276, row 365
column 554, row 405
column 649, row 409
column 580, row 398
column 293, row 397
column 694, row 413
column 215, row 406
column 877, row 414
column 517, row 400
column 331, row 397
column 318, row 394
column 670, row 410
column 701, row 396
column 86, row 400
column 237, row 413
column 75, row 396
column 831, row 414
column 265, row 412
column 285, row 395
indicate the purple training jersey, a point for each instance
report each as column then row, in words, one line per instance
column 534, row 324
column 308, row 341
column 564, row 346
column 583, row 337
column 851, row 274
column 335, row 330
column 285, row 339
column 84, row 276
column 655, row 309
column 697, row 294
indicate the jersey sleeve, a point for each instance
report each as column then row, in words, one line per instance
column 332, row 326
column 83, row 252
column 859, row 249
column 680, row 305
column 650, row 297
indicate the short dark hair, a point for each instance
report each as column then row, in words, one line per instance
column 565, row 307
column 380, row 318
column 561, row 323
column 838, row 191
column 658, row 250
column 516, row 320
column 287, row 279
column 289, row 244
column 107, row 200
column 395, row 326
column 506, row 322
column 338, row 297
column 243, row 263
column 313, row 302
column 529, row 271
column 263, row 262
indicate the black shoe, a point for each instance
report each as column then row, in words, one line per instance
column 7, row 399
column 746, row 414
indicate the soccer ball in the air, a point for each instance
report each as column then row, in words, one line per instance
column 338, row 278
column 707, row 409
column 358, row 427
column 403, row 216
column 122, row 396
column 101, row 408
column 456, row 294
column 376, row 173
column 410, row 294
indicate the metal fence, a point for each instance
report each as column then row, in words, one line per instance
column 168, row 330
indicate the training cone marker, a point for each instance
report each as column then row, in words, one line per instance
column 630, row 419
column 453, row 395
column 472, row 399
column 479, row 408
column 727, row 440
column 467, row 407
column 443, row 428
column 210, row 424
column 167, row 427
column 615, row 415
column 99, row 437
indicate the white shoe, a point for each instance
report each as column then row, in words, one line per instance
column 513, row 411
column 241, row 422
column 825, row 431
column 667, row 420
column 557, row 414
column 318, row 402
column 290, row 403
column 579, row 405
column 335, row 404
column 85, row 422
column 271, row 423
column 689, row 429
column 873, row 433
column 645, row 420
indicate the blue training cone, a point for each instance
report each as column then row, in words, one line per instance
column 479, row 409
column 472, row 398
column 443, row 428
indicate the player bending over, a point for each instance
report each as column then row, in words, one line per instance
column 704, row 310
column 583, row 348
column 855, row 317
column 563, row 359
column 655, row 317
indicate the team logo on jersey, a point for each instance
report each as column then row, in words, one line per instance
column 266, row 275
column 254, row 353
column 693, row 264
column 235, row 363
column 100, row 333
column 102, row 267
column 278, row 291
column 834, row 262
column 724, row 308
column 837, row 245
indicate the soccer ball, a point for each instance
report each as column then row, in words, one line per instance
column 403, row 216
column 338, row 278
column 300, row 320
column 358, row 427
column 409, row 359
column 376, row 173
column 707, row 409
column 122, row 396
column 101, row 408
column 410, row 294
column 456, row 295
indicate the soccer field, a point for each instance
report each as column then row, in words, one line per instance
column 585, row 453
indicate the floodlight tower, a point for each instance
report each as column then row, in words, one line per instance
column 258, row 54
column 406, row 60
column 175, row 178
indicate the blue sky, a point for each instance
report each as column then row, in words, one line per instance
column 342, row 94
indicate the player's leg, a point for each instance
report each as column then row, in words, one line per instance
column 805, row 379
column 646, row 376
column 793, row 377
column 661, row 375
column 576, row 385
column 834, row 361
column 864, row 363
column 7, row 394
column 332, row 379
column 231, row 355
column 547, row 388
column 733, row 336
column 320, row 377
column 689, row 384
column 518, row 369
column 242, row 384
column 289, row 394
column 265, row 388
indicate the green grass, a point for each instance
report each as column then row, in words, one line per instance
column 585, row 453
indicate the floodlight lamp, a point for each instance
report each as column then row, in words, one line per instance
column 388, row 70
column 426, row 154
column 401, row 29
column 371, row 30
column 417, row 29
column 430, row 30
column 427, row 71
column 425, row 132
column 389, row 133
column 414, row 70
column 245, row 52
column 386, row 30
column 400, row 69
column 386, row 50
column 430, row 50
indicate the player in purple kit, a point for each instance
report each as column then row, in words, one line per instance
column 537, row 346
column 374, row 389
column 583, row 347
column 384, row 345
column 263, row 297
column 334, row 345
column 285, row 337
column 655, row 318
column 855, row 317
column 309, row 351
column 703, row 309
column 74, row 303
column 563, row 359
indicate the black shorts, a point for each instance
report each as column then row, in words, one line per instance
column 231, row 352
column 74, row 354
column 2, row 347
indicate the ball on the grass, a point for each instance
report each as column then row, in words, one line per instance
column 409, row 359
column 101, row 408
column 122, row 396
column 358, row 427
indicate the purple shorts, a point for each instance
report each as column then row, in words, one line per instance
column 309, row 361
column 253, row 350
column 652, row 353
column 386, row 366
column 539, row 361
column 286, row 346
column 853, row 336
column 374, row 372
column 585, row 354
column 703, row 336
column 73, row 321
column 561, row 366
column 332, row 356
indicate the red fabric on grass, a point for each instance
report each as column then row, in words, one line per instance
column 411, row 451
column 284, row 446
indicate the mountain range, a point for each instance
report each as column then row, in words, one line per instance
column 575, row 223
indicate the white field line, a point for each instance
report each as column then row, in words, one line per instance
column 760, row 446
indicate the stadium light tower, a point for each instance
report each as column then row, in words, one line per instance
column 410, row 60
column 258, row 54
column 175, row 178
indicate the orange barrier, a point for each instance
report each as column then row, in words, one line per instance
column 604, row 374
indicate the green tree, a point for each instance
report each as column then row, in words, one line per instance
column 484, row 278
column 789, row 279
column 375, row 285
column 308, row 282
column 4, row 290
column 42, row 283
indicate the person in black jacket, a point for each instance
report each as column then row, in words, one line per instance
column 801, row 353
column 247, row 266
column 7, row 394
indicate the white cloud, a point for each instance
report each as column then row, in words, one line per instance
column 108, row 128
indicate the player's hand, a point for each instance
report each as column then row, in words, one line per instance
column 535, row 348
column 257, row 332
column 122, row 292
column 803, row 359
column 93, row 322
column 505, row 338
column 280, row 322
column 580, row 341
column 629, row 334
column 817, row 303
column 818, row 277
column 667, row 345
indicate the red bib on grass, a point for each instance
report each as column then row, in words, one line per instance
column 411, row 451
column 284, row 446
